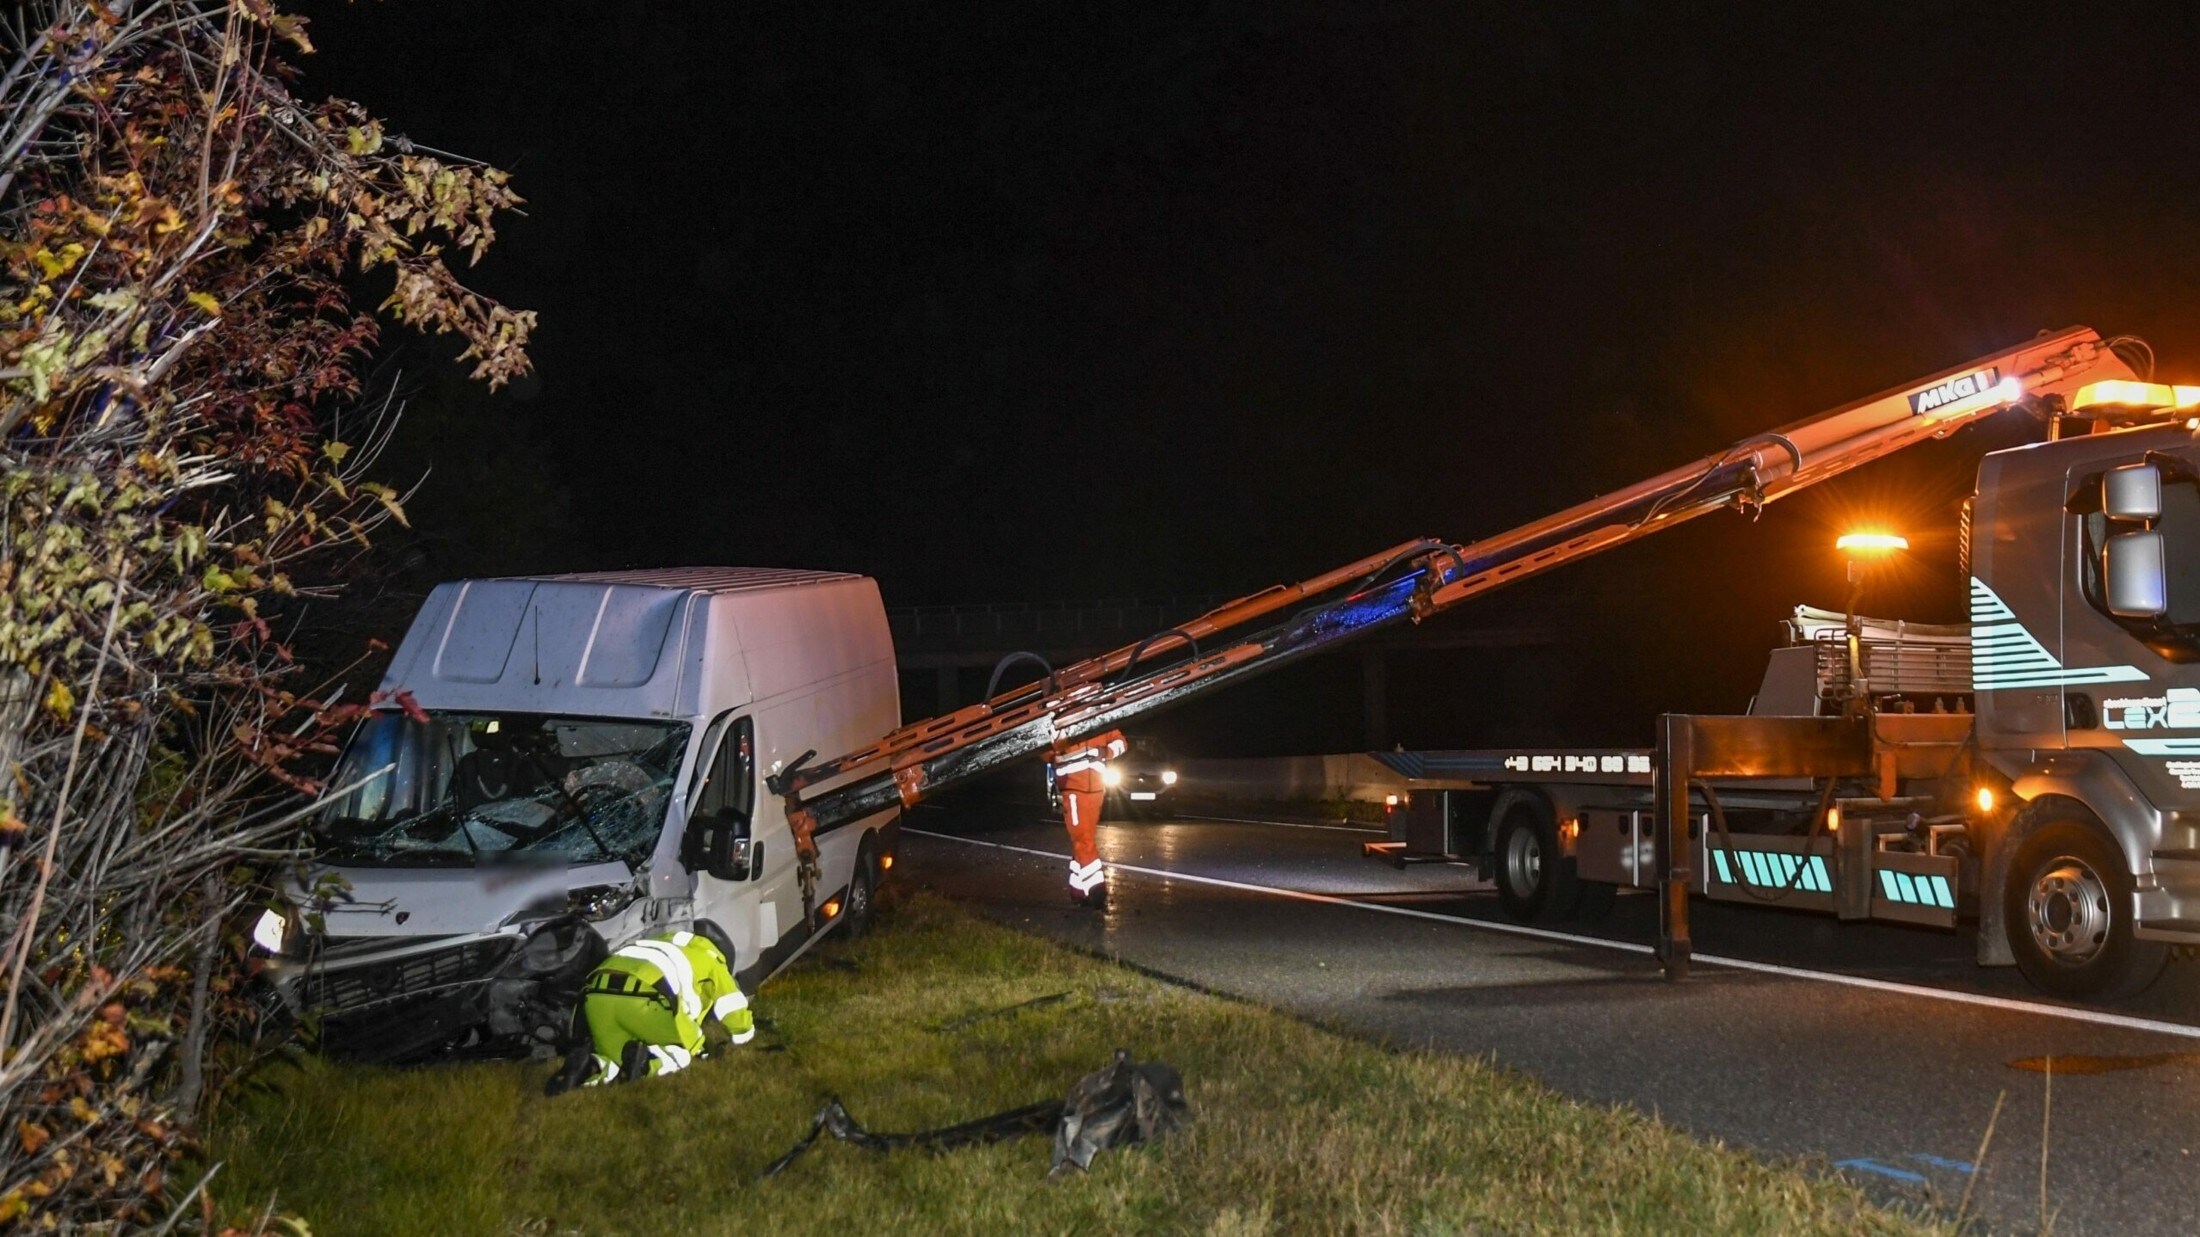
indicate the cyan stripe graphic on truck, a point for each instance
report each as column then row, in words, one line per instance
column 1916, row 890
column 1771, row 869
column 1778, row 870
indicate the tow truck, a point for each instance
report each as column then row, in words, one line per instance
column 2050, row 787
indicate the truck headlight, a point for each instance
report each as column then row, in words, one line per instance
column 1110, row 776
column 1168, row 777
column 271, row 931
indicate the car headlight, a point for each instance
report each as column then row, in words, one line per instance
column 1110, row 775
column 595, row 902
column 271, row 931
column 1168, row 777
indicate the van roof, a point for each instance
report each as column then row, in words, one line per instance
column 702, row 579
column 657, row 643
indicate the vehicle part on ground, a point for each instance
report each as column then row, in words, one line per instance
column 1121, row 1104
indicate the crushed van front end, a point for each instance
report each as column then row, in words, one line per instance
column 393, row 1000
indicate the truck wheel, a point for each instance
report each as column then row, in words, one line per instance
column 1533, row 880
column 2068, row 909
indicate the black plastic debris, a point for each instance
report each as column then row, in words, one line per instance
column 834, row 1119
column 1119, row 1105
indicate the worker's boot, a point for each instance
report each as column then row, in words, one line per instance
column 634, row 1061
column 573, row 1073
column 580, row 1058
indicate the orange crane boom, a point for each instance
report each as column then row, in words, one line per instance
column 1410, row 581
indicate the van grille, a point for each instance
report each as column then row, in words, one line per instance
column 352, row 988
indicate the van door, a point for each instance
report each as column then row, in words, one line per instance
column 725, row 800
column 779, row 884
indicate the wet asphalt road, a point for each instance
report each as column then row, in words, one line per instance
column 1894, row 1088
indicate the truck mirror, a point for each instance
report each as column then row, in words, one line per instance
column 2133, row 492
column 2135, row 575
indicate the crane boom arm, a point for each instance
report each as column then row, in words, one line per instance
column 1411, row 581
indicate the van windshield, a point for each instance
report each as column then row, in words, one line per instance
column 449, row 788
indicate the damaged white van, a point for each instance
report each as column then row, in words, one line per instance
column 563, row 763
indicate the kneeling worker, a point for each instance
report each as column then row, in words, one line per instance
column 643, row 1011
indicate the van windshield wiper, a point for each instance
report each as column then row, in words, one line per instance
column 580, row 811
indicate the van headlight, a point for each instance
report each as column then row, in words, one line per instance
column 272, row 931
column 1168, row 777
column 596, row 902
column 1110, row 776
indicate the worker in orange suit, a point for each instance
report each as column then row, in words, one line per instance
column 1080, row 773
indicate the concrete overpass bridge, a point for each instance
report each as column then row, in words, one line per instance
column 948, row 653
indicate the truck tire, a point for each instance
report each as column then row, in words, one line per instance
column 2068, row 909
column 1534, row 882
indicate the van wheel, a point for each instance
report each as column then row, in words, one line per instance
column 1533, row 880
column 862, row 894
column 2068, row 907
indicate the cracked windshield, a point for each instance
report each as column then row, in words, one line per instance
column 448, row 788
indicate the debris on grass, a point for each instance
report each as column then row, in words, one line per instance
column 1121, row 1104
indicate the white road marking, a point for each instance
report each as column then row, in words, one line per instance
column 1283, row 824
column 2094, row 1016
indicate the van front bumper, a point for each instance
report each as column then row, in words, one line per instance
column 398, row 999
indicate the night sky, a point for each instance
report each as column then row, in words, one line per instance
column 1040, row 302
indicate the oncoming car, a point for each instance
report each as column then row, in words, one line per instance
column 1142, row 781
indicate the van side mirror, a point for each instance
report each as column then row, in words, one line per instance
column 719, row 843
column 2135, row 573
column 2133, row 492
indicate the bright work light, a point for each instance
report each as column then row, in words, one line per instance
column 1870, row 543
column 2125, row 393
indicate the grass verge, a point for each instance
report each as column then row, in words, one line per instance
column 1296, row 1129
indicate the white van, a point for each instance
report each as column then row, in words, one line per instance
column 560, row 764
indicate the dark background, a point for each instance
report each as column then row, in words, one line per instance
column 1046, row 302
